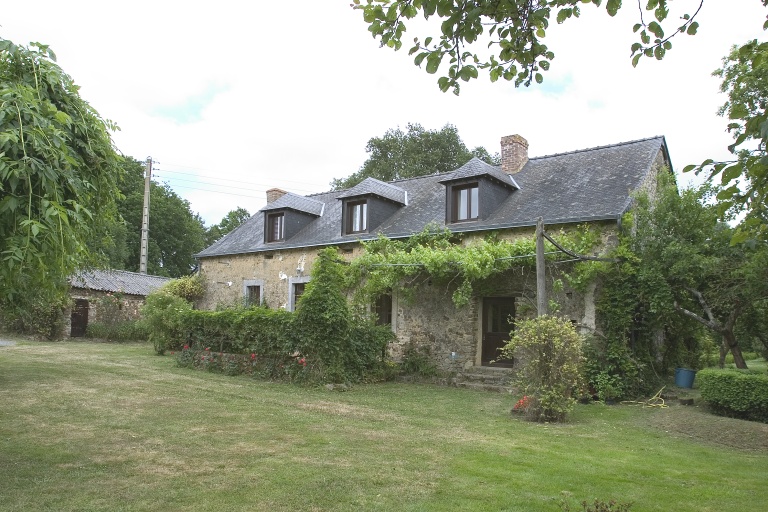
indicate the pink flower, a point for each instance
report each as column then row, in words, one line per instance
column 303, row 362
column 253, row 356
column 186, row 347
column 207, row 348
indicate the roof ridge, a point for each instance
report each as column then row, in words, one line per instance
column 122, row 272
column 625, row 143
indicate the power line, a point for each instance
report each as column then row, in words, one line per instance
column 227, row 179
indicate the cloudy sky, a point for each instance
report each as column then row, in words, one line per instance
column 232, row 97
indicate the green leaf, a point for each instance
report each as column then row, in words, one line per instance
column 692, row 28
column 656, row 29
column 730, row 174
column 636, row 59
column 613, row 7
column 689, row 168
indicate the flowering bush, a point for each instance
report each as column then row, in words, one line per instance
column 550, row 351
column 522, row 404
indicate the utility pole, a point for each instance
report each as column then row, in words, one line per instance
column 145, row 220
column 541, row 281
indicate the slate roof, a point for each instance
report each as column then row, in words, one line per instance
column 476, row 168
column 372, row 186
column 579, row 186
column 293, row 201
column 131, row 283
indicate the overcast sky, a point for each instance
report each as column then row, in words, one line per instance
column 232, row 97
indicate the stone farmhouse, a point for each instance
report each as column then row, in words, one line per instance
column 269, row 258
column 107, row 296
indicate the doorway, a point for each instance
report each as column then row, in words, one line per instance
column 498, row 322
column 79, row 318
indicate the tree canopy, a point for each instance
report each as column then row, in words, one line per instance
column 680, row 239
column 513, row 30
column 745, row 178
column 58, row 173
column 415, row 152
column 175, row 232
column 231, row 220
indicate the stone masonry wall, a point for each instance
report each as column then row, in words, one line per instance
column 275, row 271
column 453, row 334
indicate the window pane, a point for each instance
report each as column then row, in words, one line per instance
column 275, row 227
column 358, row 217
column 462, row 204
column 473, row 202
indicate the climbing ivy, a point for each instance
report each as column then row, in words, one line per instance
column 445, row 258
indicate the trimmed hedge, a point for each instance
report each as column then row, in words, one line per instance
column 736, row 393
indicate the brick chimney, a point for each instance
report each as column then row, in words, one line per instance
column 274, row 194
column 514, row 153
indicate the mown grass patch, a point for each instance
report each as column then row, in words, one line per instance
column 93, row 426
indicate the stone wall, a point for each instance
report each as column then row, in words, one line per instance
column 104, row 307
column 429, row 319
column 226, row 276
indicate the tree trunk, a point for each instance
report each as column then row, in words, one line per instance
column 729, row 340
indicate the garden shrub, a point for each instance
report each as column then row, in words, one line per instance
column 549, row 351
column 189, row 288
column 164, row 317
column 323, row 320
column 610, row 370
column 735, row 393
column 417, row 361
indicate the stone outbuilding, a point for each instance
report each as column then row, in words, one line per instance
column 269, row 258
column 108, row 297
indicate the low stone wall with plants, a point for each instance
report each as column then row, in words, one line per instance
column 736, row 393
column 324, row 341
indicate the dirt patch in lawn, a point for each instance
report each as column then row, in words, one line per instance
column 696, row 422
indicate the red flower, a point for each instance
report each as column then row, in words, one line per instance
column 207, row 348
column 171, row 353
column 186, row 347
column 253, row 356
column 303, row 362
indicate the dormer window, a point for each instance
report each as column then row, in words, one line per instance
column 357, row 217
column 275, row 227
column 466, row 203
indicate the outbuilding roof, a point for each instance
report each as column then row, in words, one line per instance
column 117, row 281
column 580, row 186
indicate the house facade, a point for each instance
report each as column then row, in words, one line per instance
column 269, row 258
column 107, row 297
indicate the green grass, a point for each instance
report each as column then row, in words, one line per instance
column 93, row 426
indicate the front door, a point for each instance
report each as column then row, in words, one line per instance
column 498, row 321
column 79, row 318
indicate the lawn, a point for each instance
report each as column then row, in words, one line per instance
column 93, row 426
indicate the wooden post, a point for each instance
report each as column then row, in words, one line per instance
column 541, row 283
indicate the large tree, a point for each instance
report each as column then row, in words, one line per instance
column 745, row 178
column 231, row 220
column 175, row 232
column 680, row 238
column 58, row 178
column 512, row 30
column 415, row 152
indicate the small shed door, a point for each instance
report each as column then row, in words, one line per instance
column 498, row 321
column 79, row 318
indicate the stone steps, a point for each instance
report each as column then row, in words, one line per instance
column 485, row 378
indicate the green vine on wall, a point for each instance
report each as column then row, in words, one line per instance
column 445, row 258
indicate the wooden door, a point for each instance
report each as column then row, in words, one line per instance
column 79, row 318
column 498, row 321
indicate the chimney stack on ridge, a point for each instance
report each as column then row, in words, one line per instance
column 514, row 153
column 274, row 194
